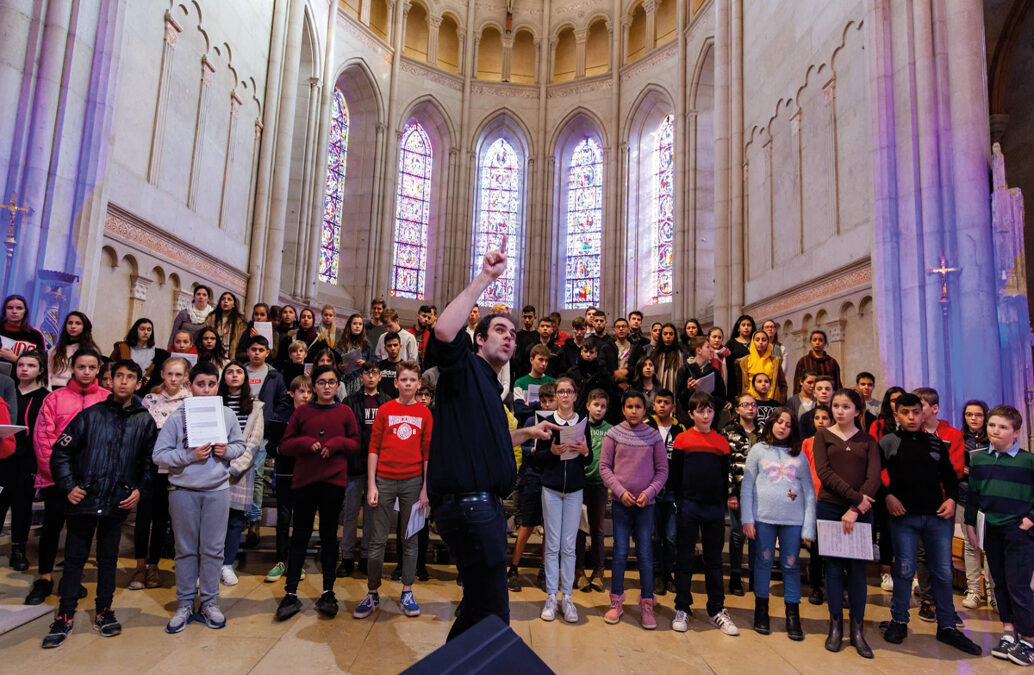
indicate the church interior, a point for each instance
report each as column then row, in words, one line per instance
column 855, row 167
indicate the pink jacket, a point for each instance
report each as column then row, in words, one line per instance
column 58, row 409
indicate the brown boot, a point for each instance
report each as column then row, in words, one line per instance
column 151, row 578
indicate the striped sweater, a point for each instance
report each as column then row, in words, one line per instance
column 1001, row 484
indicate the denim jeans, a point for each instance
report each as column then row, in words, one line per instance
column 789, row 560
column 475, row 533
column 935, row 534
column 736, row 541
column 836, row 568
column 637, row 522
column 254, row 511
column 355, row 500
column 561, row 513
column 665, row 528
column 234, row 530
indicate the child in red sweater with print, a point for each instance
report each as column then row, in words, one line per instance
column 396, row 470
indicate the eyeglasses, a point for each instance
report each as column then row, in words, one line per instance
column 326, row 383
column 565, row 392
column 748, row 405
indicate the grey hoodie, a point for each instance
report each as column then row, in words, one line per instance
column 185, row 469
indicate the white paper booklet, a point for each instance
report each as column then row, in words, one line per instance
column 205, row 420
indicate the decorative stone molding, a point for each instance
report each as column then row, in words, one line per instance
column 454, row 82
column 123, row 227
column 182, row 300
column 649, row 61
column 364, row 35
column 566, row 89
column 829, row 90
column 834, row 330
column 852, row 278
column 506, row 90
column 795, row 123
column 138, row 287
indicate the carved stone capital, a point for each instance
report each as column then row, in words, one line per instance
column 172, row 29
column 207, row 70
column 434, row 22
column 183, row 299
column 829, row 90
column 138, row 287
column 580, row 36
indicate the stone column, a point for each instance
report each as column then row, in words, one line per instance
column 507, row 56
column 231, row 132
column 722, row 171
column 284, row 141
column 207, row 70
column 650, row 6
column 683, row 266
column 364, row 12
column 434, row 24
column 624, row 41
column 172, row 31
column 306, row 225
column 580, row 36
column 739, row 238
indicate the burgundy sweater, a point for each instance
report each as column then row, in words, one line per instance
column 333, row 427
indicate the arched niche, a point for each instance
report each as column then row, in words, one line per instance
column 449, row 44
column 490, row 55
column 416, row 32
column 564, row 56
column 524, row 58
column 597, row 48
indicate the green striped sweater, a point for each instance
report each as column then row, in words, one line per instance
column 1001, row 486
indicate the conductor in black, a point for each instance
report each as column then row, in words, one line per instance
column 471, row 466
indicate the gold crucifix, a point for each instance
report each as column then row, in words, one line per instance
column 13, row 207
column 944, row 271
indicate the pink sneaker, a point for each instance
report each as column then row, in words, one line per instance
column 613, row 614
column 647, row 619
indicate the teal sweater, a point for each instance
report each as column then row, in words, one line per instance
column 1001, row 485
column 777, row 489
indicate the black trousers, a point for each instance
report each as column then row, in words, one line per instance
column 475, row 533
column 284, row 511
column 152, row 520
column 16, row 479
column 712, row 540
column 328, row 500
column 1010, row 557
column 53, row 522
column 78, row 539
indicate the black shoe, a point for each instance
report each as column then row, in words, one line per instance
column 106, row 624
column 793, row 622
column 422, row 574
column 540, row 580
column 836, row 633
column 59, row 630
column 327, row 604
column 288, row 607
column 817, row 597
column 396, row 574
column 513, row 580
column 1022, row 653
column 41, row 590
column 345, row 568
column 735, row 585
column 19, row 563
column 896, row 632
column 858, row 639
column 957, row 639
column 362, row 566
column 1001, row 650
column 927, row 612
column 252, row 540
column 761, row 620
column 659, row 587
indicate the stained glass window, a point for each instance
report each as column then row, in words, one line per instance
column 499, row 205
column 584, row 225
column 665, row 226
column 412, row 209
column 337, row 153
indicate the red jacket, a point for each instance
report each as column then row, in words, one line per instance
column 956, row 446
column 58, row 409
column 7, row 445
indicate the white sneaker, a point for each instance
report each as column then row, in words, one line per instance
column 569, row 610
column 915, row 587
column 887, row 582
column 723, row 622
column 549, row 610
column 972, row 601
column 681, row 621
column 227, row 576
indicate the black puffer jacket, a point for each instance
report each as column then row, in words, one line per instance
column 106, row 450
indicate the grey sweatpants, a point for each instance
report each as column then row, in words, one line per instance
column 384, row 519
column 199, row 523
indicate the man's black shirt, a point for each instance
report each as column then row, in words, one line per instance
column 471, row 450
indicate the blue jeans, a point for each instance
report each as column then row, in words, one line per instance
column 234, row 528
column 637, row 522
column 665, row 527
column 254, row 511
column 836, row 568
column 935, row 534
column 736, row 541
column 561, row 513
column 789, row 559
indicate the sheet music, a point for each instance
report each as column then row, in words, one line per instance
column 10, row 429
column 205, row 420
column 572, row 435
column 190, row 358
column 350, row 359
column 706, row 383
column 835, row 544
column 533, row 393
column 417, row 518
column 265, row 329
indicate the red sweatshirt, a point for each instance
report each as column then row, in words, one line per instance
column 400, row 438
column 335, row 428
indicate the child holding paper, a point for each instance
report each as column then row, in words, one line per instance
column 562, row 483
column 847, row 461
column 199, row 503
column 396, row 471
